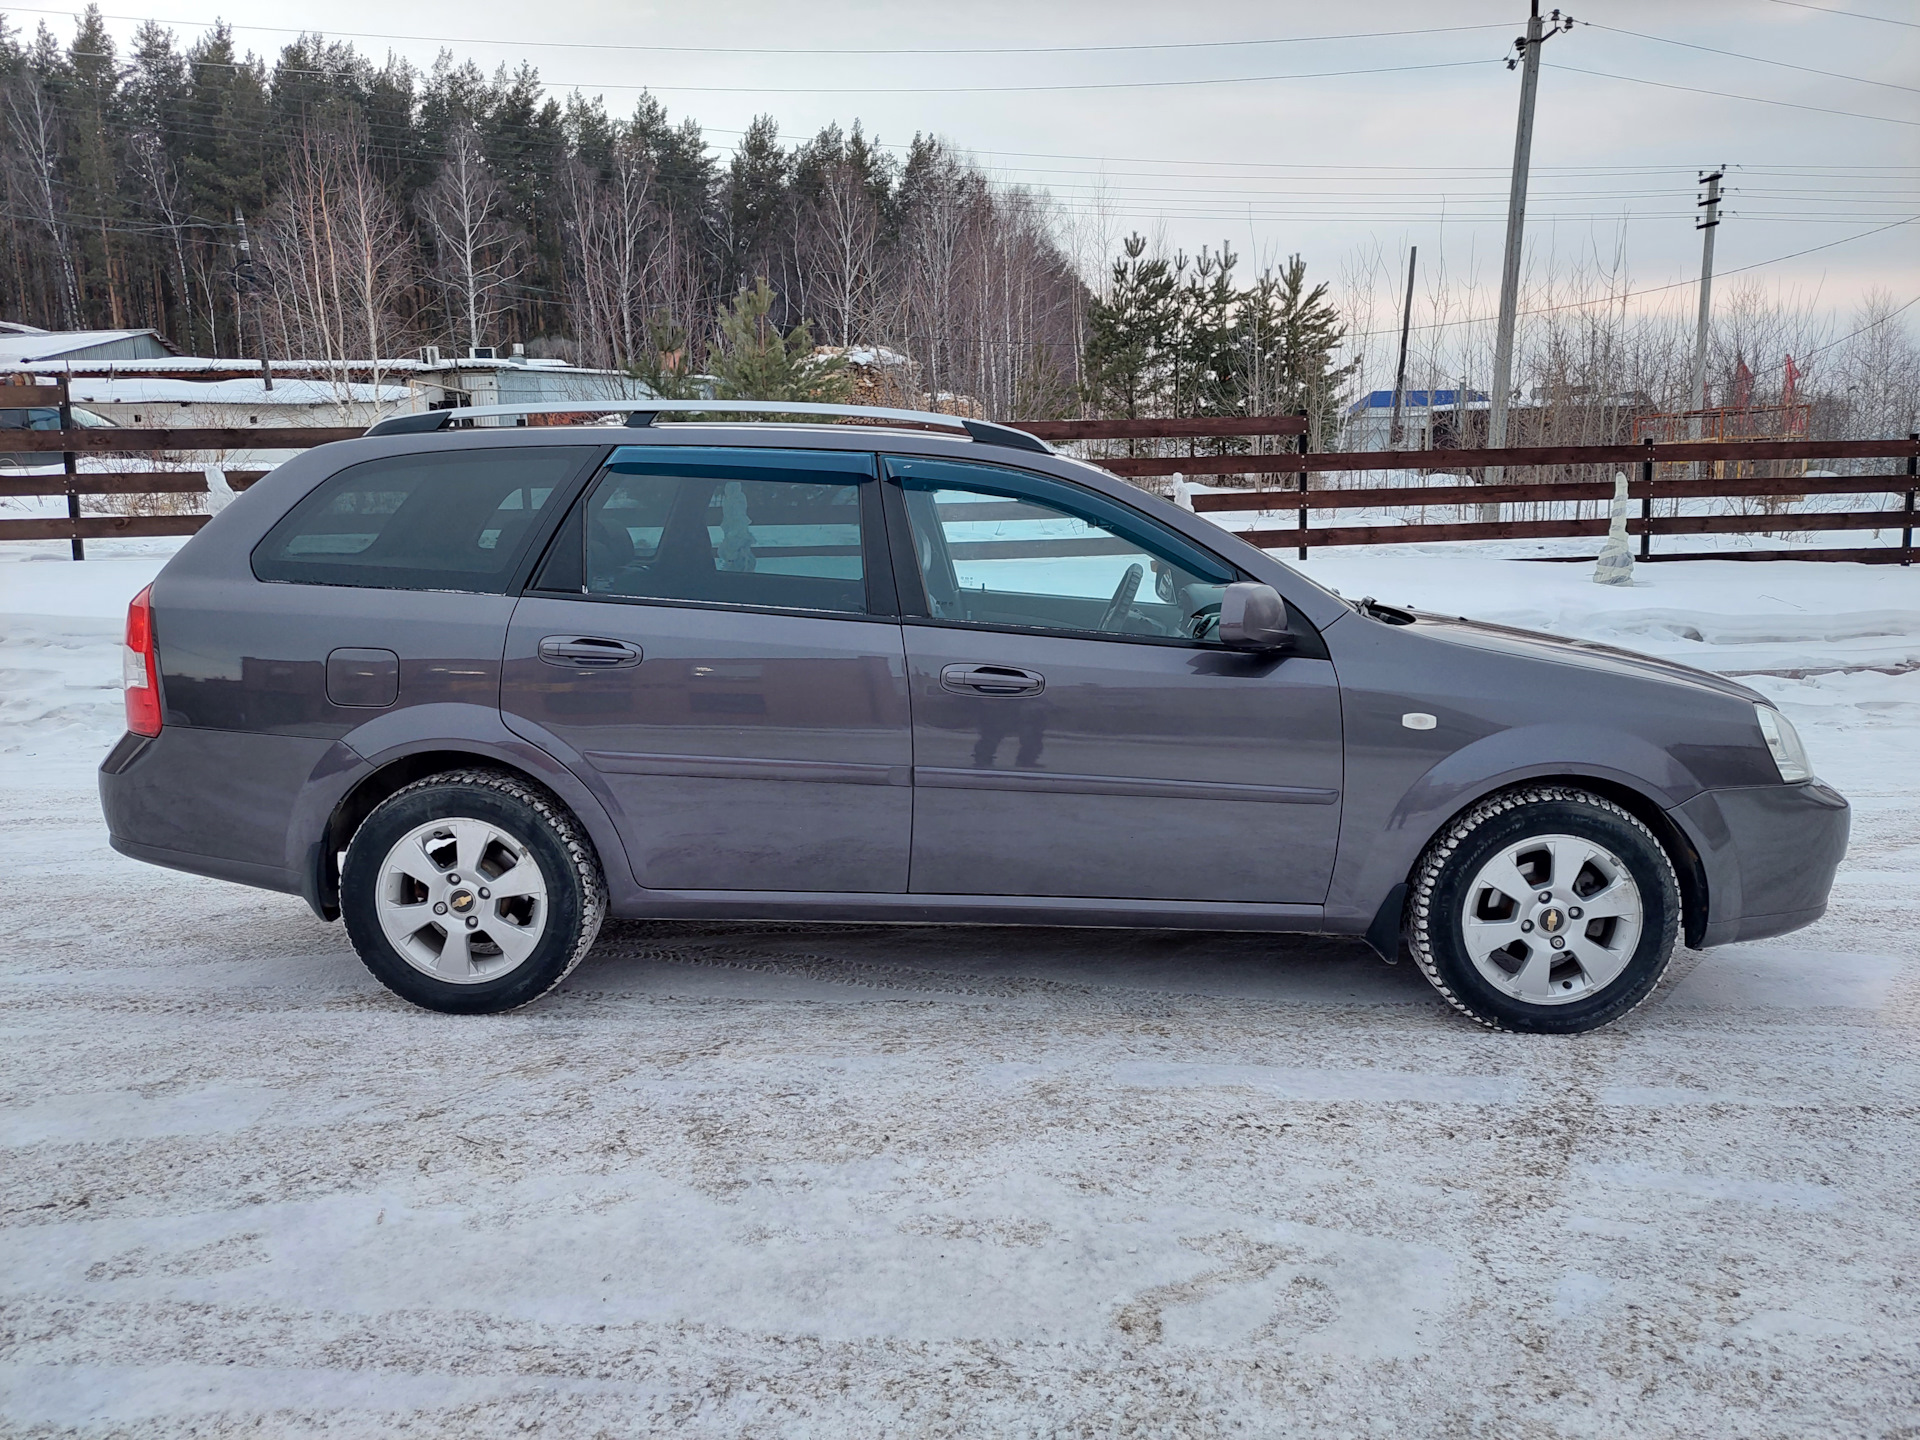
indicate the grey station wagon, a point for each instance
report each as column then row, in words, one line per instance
column 476, row 689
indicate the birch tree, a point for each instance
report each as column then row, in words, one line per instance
column 477, row 255
column 35, row 152
column 339, row 260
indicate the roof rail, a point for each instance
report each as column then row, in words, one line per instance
column 641, row 413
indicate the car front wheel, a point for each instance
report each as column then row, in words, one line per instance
column 1546, row 909
column 471, row 892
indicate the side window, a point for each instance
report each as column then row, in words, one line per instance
column 771, row 529
column 444, row 520
column 30, row 420
column 997, row 548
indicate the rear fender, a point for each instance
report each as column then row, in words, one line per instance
column 464, row 734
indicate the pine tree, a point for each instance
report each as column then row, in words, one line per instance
column 90, row 96
column 1288, row 336
column 756, row 362
column 666, row 367
column 1131, row 335
column 755, row 203
column 685, row 171
column 1206, row 366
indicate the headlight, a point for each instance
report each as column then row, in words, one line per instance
column 1789, row 755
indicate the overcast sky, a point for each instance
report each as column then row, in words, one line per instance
column 1247, row 129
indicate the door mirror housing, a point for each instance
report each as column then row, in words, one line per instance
column 1253, row 617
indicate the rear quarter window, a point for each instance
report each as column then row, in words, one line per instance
column 451, row 520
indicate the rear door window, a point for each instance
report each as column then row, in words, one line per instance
column 770, row 529
column 448, row 520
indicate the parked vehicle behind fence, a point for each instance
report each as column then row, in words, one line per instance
column 475, row 690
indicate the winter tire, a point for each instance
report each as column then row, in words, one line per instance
column 471, row 892
column 1545, row 909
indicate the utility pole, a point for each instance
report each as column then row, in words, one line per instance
column 1400, row 372
column 247, row 283
column 1538, row 33
column 1706, row 226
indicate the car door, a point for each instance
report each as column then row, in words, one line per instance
column 710, row 646
column 1076, row 730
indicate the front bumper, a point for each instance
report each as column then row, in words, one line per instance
column 1769, row 853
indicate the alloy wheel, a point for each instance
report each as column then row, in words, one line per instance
column 462, row 900
column 1552, row 918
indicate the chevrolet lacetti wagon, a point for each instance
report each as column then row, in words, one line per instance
column 476, row 689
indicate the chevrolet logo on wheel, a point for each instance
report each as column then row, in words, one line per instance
column 1550, row 921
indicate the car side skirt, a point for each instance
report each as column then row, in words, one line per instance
column 901, row 909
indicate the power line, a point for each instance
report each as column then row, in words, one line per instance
column 579, row 85
column 1848, row 14
column 1756, row 59
column 1658, row 289
column 1870, row 325
column 519, row 44
column 1729, row 95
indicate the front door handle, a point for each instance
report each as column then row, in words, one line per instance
column 998, row 680
column 589, row 652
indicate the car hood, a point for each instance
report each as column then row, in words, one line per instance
column 1584, row 654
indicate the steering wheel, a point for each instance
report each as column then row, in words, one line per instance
column 1122, row 602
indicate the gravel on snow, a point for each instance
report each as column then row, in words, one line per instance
column 780, row 1180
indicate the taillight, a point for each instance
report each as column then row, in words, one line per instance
column 140, row 669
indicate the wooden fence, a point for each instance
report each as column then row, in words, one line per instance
column 1642, row 489
column 1303, row 500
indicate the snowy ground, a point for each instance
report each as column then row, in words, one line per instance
column 766, row 1180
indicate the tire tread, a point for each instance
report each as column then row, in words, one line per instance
column 1433, row 863
column 572, row 837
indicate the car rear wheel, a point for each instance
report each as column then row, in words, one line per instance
column 471, row 892
column 1546, row 909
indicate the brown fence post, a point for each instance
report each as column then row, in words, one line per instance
column 1646, row 502
column 1300, row 445
column 1913, row 474
column 70, row 463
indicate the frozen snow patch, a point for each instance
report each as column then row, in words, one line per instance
column 1323, row 1085
column 1776, row 1324
column 1743, row 976
column 71, row 1396
column 1789, row 1194
column 1578, row 1292
column 94, row 1116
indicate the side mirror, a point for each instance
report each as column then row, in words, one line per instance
column 1254, row 617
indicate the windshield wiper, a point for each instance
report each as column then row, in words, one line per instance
column 1387, row 614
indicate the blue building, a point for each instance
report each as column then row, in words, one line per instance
column 1429, row 420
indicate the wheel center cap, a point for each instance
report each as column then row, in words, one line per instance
column 1551, row 919
column 460, row 902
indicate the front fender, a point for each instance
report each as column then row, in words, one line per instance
column 1380, row 842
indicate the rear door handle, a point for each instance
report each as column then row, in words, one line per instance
column 589, row 652
column 1002, row 680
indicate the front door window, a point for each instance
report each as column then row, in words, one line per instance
column 1033, row 561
